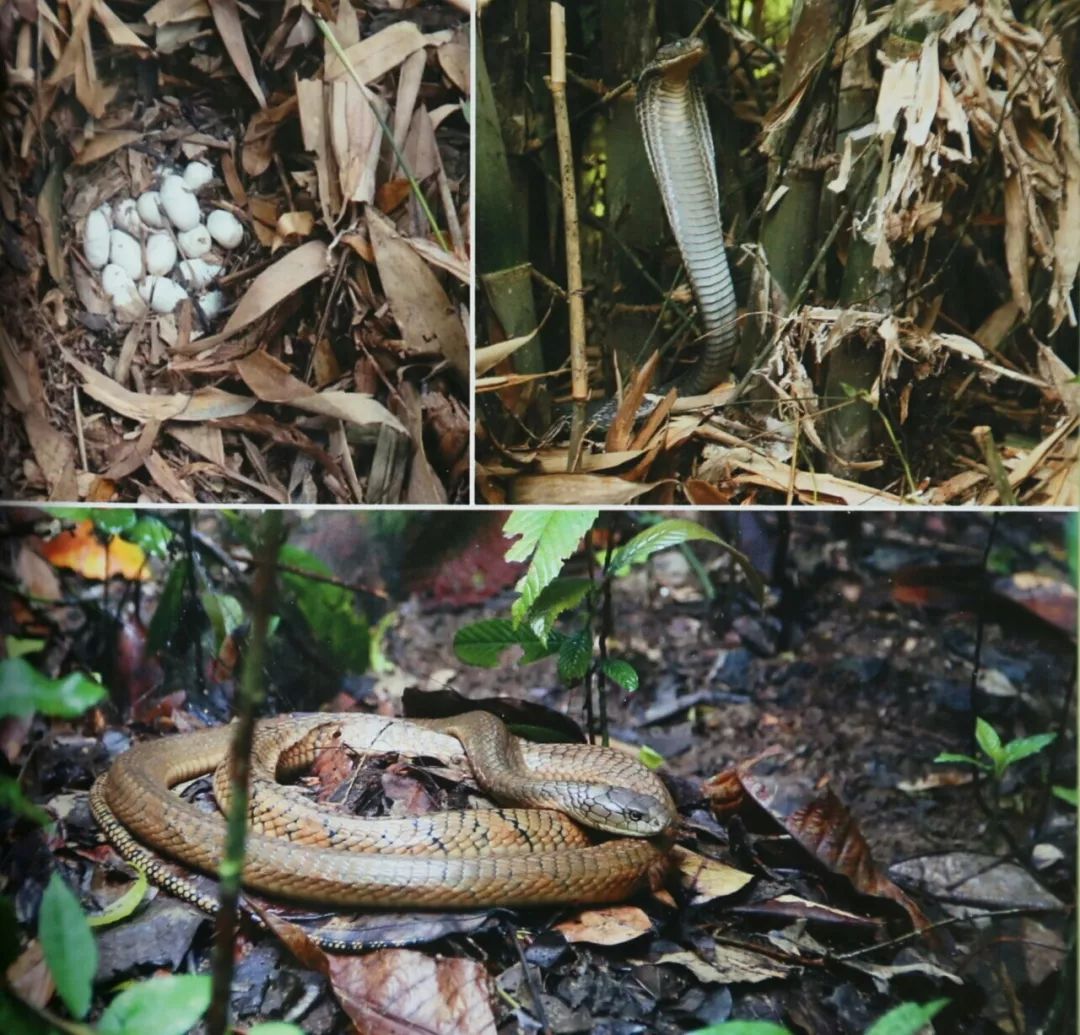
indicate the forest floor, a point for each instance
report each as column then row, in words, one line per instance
column 853, row 691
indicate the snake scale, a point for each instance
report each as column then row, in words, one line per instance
column 531, row 855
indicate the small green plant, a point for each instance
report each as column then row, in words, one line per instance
column 905, row 1019
column 546, row 539
column 999, row 756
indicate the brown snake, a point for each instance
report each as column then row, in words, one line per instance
column 468, row 858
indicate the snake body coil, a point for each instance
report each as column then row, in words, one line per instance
column 474, row 857
column 675, row 125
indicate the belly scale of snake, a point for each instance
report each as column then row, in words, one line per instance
column 468, row 858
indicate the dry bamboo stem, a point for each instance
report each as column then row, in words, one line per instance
column 579, row 374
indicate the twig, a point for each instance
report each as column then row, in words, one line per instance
column 248, row 699
column 579, row 367
column 340, row 54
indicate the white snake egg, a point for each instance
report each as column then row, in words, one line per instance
column 126, row 217
column 160, row 254
column 149, row 209
column 212, row 303
column 195, row 243
column 198, row 273
column 197, row 175
column 166, row 295
column 125, row 252
column 118, row 285
column 96, row 239
column 181, row 206
column 225, row 228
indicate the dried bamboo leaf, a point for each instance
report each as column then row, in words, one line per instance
column 378, row 54
column 227, row 19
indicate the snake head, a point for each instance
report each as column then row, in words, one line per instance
column 676, row 59
column 617, row 810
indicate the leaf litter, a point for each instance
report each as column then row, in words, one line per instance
column 338, row 370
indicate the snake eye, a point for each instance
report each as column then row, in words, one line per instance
column 634, row 816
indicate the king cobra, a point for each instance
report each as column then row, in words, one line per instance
column 674, row 123
column 468, row 858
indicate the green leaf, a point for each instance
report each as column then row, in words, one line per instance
column 1067, row 795
column 548, row 537
column 114, row 520
column 558, row 596
column 483, row 643
column 225, row 612
column 17, row 1019
column 622, row 673
column 166, row 616
column 988, row 739
column 907, row 1018
column 14, row 801
column 24, row 690
column 68, row 946
column 951, row 756
column 151, row 534
column 164, row 1006
column 574, row 657
column 329, row 610
column 381, row 664
column 649, row 758
column 1026, row 746
column 125, row 905
column 675, row 532
column 743, row 1028
column 14, row 647
column 275, row 1028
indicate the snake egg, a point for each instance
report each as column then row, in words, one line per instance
column 160, row 254
column 197, row 175
column 195, row 243
column 118, row 285
column 149, row 209
column 126, row 217
column 198, row 273
column 225, row 228
column 181, row 206
column 212, row 304
column 125, row 252
column 166, row 295
column 96, row 239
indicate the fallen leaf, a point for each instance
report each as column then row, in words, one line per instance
column 227, row 19
column 707, row 879
column 614, row 925
column 83, row 550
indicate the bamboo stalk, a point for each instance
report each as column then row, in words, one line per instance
column 579, row 373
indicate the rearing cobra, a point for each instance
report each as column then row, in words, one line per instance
column 675, row 125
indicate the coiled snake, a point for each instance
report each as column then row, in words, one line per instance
column 473, row 857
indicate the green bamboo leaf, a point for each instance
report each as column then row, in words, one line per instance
column 169, row 1005
column 1067, row 795
column 151, row 534
column 68, row 946
column 907, row 1018
column 548, row 537
column 951, row 756
column 124, row 906
column 275, row 1028
column 743, row 1028
column 166, row 616
column 13, row 800
column 622, row 673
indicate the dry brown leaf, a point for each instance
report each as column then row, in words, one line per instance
column 399, row 991
column 707, row 879
column 272, row 382
column 227, row 19
column 376, row 55
column 428, row 320
column 106, row 143
column 454, row 61
column 1016, row 238
column 456, row 265
column 119, row 33
column 491, row 355
column 613, row 925
column 158, row 469
column 257, row 151
column 732, row 964
column 290, row 273
column 165, row 12
column 204, row 404
column 55, row 455
column 576, row 488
